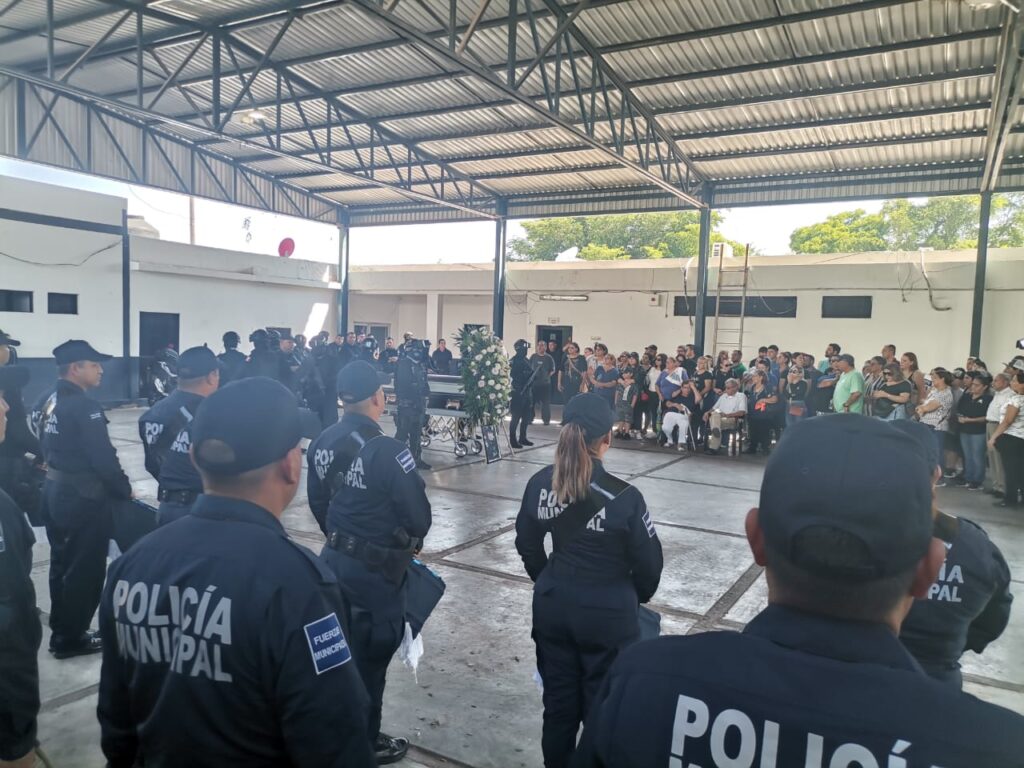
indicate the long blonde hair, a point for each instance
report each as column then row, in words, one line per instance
column 574, row 464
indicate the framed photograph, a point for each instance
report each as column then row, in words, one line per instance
column 492, row 451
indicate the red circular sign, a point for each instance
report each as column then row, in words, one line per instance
column 286, row 248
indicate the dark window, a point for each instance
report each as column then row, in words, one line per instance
column 62, row 303
column 757, row 306
column 846, row 306
column 15, row 301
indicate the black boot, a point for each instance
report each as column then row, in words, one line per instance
column 390, row 749
column 522, row 439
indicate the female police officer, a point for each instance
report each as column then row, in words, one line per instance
column 606, row 560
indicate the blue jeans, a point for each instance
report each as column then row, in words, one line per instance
column 974, row 457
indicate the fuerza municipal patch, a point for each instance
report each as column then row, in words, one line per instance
column 406, row 461
column 327, row 644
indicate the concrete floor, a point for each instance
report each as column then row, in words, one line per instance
column 474, row 701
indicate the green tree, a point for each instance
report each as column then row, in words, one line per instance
column 939, row 222
column 630, row 236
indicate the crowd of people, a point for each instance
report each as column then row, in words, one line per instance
column 684, row 399
column 224, row 641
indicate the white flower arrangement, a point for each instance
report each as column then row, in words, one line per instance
column 486, row 376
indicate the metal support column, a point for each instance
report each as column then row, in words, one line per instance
column 979, row 273
column 215, row 98
column 500, row 232
column 20, row 125
column 343, row 251
column 126, row 308
column 703, row 258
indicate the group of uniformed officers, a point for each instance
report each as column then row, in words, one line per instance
column 226, row 643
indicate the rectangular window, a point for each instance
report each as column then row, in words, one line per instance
column 757, row 306
column 15, row 301
column 858, row 307
column 62, row 303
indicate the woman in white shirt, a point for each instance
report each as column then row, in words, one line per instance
column 935, row 409
column 1008, row 439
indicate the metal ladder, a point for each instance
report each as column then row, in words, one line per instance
column 732, row 283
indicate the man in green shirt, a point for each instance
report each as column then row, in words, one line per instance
column 848, row 396
column 738, row 368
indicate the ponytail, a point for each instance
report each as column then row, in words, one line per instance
column 573, row 465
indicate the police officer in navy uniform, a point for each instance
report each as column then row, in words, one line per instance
column 367, row 496
column 20, row 629
column 411, row 391
column 165, row 430
column 20, row 440
column 969, row 604
column 521, row 407
column 606, row 561
column 819, row 678
column 83, row 477
column 232, row 361
column 224, row 639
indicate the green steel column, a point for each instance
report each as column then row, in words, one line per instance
column 979, row 273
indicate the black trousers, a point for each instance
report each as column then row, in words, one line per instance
column 542, row 397
column 521, row 409
column 374, row 641
column 1012, row 450
column 579, row 630
column 328, row 410
column 759, row 430
column 409, row 428
column 79, row 530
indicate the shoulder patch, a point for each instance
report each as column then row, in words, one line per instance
column 327, row 644
column 3, row 543
column 648, row 524
column 96, row 415
column 406, row 461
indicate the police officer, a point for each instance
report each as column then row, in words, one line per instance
column 20, row 630
column 166, row 428
column 369, row 350
column 266, row 358
column 606, row 561
column 389, row 357
column 327, row 359
column 367, row 496
column 224, row 639
column 968, row 606
column 819, row 678
column 411, row 391
column 15, row 472
column 231, row 359
column 521, row 406
column 84, row 475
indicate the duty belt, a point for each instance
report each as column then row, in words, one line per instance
column 87, row 484
column 388, row 561
column 184, row 496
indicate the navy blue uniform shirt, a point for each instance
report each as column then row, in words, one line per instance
column 792, row 691
column 233, row 363
column 966, row 608
column 223, row 645
column 620, row 540
column 167, row 457
column 382, row 490
column 75, row 440
column 411, row 382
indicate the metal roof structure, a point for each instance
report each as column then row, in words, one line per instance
column 402, row 111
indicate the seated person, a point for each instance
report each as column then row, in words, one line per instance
column 678, row 413
column 726, row 416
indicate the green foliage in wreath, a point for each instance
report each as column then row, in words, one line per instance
column 486, row 379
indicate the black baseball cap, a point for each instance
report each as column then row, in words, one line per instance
column 196, row 362
column 7, row 341
column 357, row 381
column 76, row 350
column 245, row 425
column 592, row 413
column 853, row 474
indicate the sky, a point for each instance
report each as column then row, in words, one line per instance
column 220, row 225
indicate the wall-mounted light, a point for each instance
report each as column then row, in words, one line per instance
column 564, row 297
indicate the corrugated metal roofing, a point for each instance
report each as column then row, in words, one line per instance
column 773, row 100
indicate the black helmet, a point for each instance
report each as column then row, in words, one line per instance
column 521, row 346
column 273, row 336
column 259, row 335
column 231, row 339
column 416, row 349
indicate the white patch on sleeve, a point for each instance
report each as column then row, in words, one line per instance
column 406, row 461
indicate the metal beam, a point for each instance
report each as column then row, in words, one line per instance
column 703, row 259
column 344, row 239
column 126, row 307
column 980, row 267
column 500, row 267
column 473, row 24
column 442, row 53
column 1006, row 95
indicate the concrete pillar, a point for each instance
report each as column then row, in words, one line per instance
column 500, row 252
column 435, row 304
column 343, row 243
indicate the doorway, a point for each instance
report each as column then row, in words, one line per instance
column 157, row 330
column 561, row 335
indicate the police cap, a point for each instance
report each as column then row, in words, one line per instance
column 592, row 413
column 75, row 351
column 245, row 425
column 357, row 381
column 196, row 362
column 7, row 341
column 853, row 474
